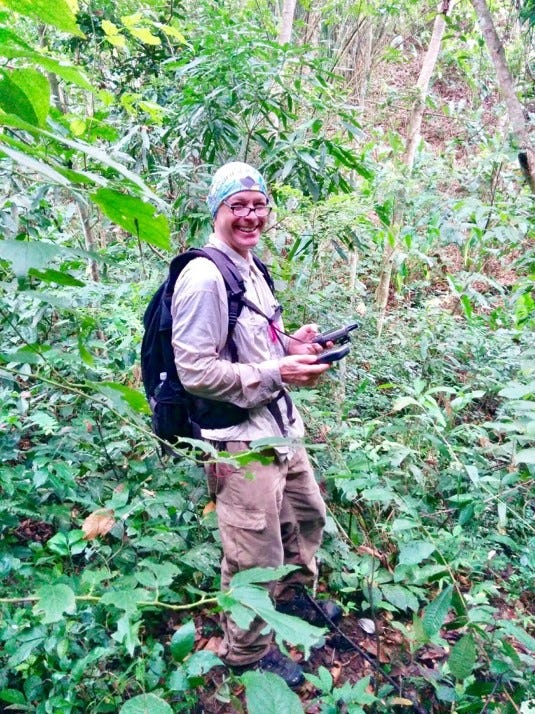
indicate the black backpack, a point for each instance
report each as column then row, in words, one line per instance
column 175, row 412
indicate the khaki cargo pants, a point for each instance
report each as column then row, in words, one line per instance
column 269, row 515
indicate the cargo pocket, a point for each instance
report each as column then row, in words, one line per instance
column 241, row 532
column 250, row 519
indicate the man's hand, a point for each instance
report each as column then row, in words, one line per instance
column 301, row 370
column 302, row 344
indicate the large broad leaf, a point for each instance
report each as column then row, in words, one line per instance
column 414, row 552
column 135, row 216
column 201, row 662
column 435, row 613
column 123, row 397
column 525, row 456
column 93, row 152
column 35, row 165
column 399, row 596
column 267, row 693
column 244, row 602
column 56, row 276
column 53, row 601
column 146, row 704
column 462, row 657
column 59, row 13
column 182, row 641
column 11, row 46
column 26, row 92
column 261, row 575
column 25, row 255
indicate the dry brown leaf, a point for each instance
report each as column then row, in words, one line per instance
column 401, row 702
column 213, row 644
column 336, row 671
column 371, row 648
column 98, row 523
column 209, row 508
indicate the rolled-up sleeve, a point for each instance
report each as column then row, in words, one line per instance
column 200, row 324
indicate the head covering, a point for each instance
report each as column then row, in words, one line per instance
column 232, row 178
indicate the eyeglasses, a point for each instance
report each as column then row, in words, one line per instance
column 238, row 209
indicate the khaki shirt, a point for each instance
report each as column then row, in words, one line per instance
column 200, row 325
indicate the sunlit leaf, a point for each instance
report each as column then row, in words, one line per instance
column 267, row 693
column 54, row 601
column 122, row 396
column 414, row 552
column 134, row 215
column 146, row 704
column 145, row 35
column 24, row 255
column 182, row 641
column 25, row 92
column 59, row 13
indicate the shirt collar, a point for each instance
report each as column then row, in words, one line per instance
column 244, row 264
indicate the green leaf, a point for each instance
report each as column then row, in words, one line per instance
column 182, row 641
column 399, row 596
column 35, row 165
column 435, row 613
column 53, row 601
column 261, row 575
column 24, row 255
column 11, row 46
column 56, row 276
column 26, row 92
column 414, row 552
column 525, row 639
column 404, row 402
column 12, row 696
column 134, row 215
column 146, row 704
column 201, row 662
column 462, row 657
column 525, row 456
column 247, row 601
column 126, row 599
column 120, row 395
column 26, row 355
column 145, row 35
column 127, row 633
column 267, row 693
column 58, row 13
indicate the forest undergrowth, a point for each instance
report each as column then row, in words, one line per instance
column 422, row 438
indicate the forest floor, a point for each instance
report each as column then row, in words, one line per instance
column 350, row 654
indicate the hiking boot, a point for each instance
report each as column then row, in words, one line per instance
column 315, row 612
column 276, row 663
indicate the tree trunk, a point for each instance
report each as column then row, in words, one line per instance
column 515, row 110
column 90, row 242
column 422, row 85
column 286, row 22
column 413, row 137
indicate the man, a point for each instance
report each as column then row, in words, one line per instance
column 277, row 515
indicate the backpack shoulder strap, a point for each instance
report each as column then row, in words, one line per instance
column 262, row 267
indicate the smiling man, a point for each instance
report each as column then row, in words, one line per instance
column 268, row 514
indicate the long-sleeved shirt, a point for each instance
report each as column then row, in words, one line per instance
column 202, row 357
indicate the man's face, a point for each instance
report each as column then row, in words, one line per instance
column 241, row 233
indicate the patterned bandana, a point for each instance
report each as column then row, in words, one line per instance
column 232, row 178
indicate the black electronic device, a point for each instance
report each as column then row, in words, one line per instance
column 333, row 355
column 340, row 336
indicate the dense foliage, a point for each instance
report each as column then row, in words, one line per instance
column 424, row 437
